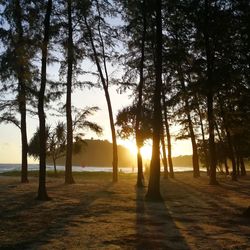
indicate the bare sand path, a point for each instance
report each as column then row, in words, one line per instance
column 96, row 214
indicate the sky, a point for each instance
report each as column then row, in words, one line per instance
column 10, row 137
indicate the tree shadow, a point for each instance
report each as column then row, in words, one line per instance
column 35, row 223
column 208, row 216
column 155, row 226
column 216, row 197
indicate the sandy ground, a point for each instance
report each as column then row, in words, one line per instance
column 96, row 214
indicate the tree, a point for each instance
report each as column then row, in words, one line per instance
column 100, row 57
column 139, row 103
column 17, row 70
column 166, row 123
column 153, row 192
column 42, row 192
column 56, row 137
column 177, row 61
column 126, row 121
column 70, row 58
column 55, row 143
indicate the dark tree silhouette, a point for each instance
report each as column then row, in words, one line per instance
column 56, row 143
column 16, row 68
column 169, row 144
column 126, row 121
column 139, row 103
column 42, row 192
column 103, row 74
column 153, row 192
column 70, row 58
column 22, row 90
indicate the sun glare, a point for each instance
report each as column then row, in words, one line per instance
column 146, row 150
column 129, row 144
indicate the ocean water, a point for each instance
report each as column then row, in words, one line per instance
column 17, row 167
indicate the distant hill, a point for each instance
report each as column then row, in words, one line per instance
column 183, row 160
column 99, row 153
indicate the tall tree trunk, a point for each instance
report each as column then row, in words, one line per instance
column 232, row 155
column 169, row 144
column 22, row 110
column 68, row 165
column 237, row 166
column 54, row 164
column 231, row 152
column 210, row 96
column 203, row 138
column 221, row 140
column 21, row 91
column 42, row 192
column 153, row 192
column 140, row 177
column 164, row 156
column 106, row 91
column 114, row 142
column 139, row 139
column 212, row 151
column 242, row 167
column 196, row 168
column 195, row 158
column 226, row 166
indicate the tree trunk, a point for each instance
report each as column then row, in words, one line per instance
column 22, row 110
column 237, row 167
column 54, row 163
column 210, row 96
column 242, row 167
column 226, row 166
column 195, row 158
column 68, row 165
column 196, row 168
column 140, row 177
column 169, row 145
column 21, row 91
column 203, row 139
column 153, row 192
column 139, row 139
column 212, row 151
column 105, row 88
column 112, row 126
column 164, row 158
column 42, row 192
column 232, row 155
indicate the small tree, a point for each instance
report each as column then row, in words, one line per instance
column 57, row 143
column 126, row 121
column 56, row 138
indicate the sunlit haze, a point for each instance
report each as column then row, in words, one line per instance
column 10, row 138
column 179, row 148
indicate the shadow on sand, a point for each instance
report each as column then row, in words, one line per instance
column 155, row 227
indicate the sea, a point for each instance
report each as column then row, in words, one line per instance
column 4, row 167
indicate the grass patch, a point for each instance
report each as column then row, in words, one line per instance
column 60, row 174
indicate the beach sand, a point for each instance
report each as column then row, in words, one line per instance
column 96, row 214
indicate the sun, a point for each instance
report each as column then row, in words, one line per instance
column 146, row 150
column 129, row 144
